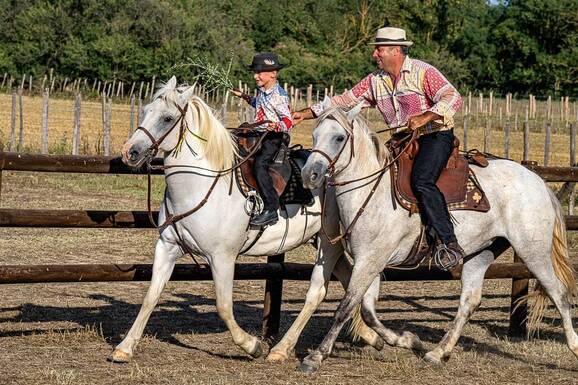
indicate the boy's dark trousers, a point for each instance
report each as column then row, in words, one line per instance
column 434, row 152
column 264, row 157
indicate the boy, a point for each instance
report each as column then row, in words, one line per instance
column 272, row 104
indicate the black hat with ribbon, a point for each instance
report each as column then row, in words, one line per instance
column 265, row 61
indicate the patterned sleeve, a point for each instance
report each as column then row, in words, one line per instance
column 446, row 99
column 361, row 92
column 281, row 105
column 250, row 99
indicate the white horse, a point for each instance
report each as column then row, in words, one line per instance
column 194, row 142
column 524, row 214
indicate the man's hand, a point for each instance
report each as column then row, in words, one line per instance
column 418, row 121
column 271, row 127
column 299, row 116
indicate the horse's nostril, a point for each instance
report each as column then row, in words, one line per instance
column 314, row 176
column 133, row 154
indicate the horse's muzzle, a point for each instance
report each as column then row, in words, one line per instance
column 313, row 174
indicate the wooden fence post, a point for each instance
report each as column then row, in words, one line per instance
column 466, row 123
column 518, row 314
column 131, row 129
column 572, row 197
column 12, row 146
column 507, row 138
column 76, row 130
column 44, row 148
column 272, row 302
column 547, row 143
column 487, row 134
column 21, row 118
column 526, row 136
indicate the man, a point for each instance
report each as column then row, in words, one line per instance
column 271, row 104
column 414, row 95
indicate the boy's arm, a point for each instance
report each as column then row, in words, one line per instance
column 246, row 97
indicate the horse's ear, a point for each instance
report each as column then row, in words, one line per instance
column 352, row 114
column 186, row 95
column 172, row 83
column 326, row 103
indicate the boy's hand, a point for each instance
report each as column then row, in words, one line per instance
column 271, row 127
column 237, row 93
column 299, row 116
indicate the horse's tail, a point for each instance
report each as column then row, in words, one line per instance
column 562, row 269
column 357, row 324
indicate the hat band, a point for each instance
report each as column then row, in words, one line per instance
column 384, row 39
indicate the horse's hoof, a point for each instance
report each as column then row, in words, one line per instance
column 276, row 356
column 257, row 350
column 310, row 364
column 379, row 344
column 432, row 359
column 411, row 341
column 120, row 357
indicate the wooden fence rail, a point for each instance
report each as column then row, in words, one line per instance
column 275, row 271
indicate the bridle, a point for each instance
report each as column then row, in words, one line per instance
column 349, row 128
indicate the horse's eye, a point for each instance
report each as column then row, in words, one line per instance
column 340, row 138
column 168, row 119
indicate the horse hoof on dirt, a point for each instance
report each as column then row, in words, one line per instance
column 257, row 350
column 379, row 344
column 310, row 364
column 411, row 341
column 120, row 357
column 432, row 359
column 277, row 357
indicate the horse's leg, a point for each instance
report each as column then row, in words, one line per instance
column 364, row 272
column 473, row 273
column 320, row 276
column 406, row 340
column 164, row 261
column 324, row 264
column 557, row 288
column 359, row 328
column 223, row 269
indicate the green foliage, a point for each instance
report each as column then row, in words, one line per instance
column 517, row 45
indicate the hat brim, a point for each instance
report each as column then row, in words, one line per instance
column 403, row 43
column 259, row 68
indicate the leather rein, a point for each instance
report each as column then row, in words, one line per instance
column 331, row 173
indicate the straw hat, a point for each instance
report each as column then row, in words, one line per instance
column 391, row 36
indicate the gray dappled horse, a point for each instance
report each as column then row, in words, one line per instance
column 524, row 214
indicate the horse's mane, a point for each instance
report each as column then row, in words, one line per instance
column 338, row 115
column 219, row 148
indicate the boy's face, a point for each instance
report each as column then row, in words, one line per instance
column 265, row 78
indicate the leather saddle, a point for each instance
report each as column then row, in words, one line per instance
column 454, row 180
column 279, row 169
column 457, row 182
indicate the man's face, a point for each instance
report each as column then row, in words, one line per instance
column 385, row 55
column 265, row 78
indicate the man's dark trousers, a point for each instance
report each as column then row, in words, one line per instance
column 264, row 157
column 434, row 151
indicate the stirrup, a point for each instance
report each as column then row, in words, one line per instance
column 445, row 258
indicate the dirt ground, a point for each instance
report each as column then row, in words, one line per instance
column 63, row 333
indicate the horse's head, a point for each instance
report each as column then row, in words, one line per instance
column 333, row 146
column 161, row 124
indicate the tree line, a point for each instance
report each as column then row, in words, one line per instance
column 519, row 46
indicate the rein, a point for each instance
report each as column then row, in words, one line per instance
column 380, row 173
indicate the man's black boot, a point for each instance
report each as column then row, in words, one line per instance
column 267, row 217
